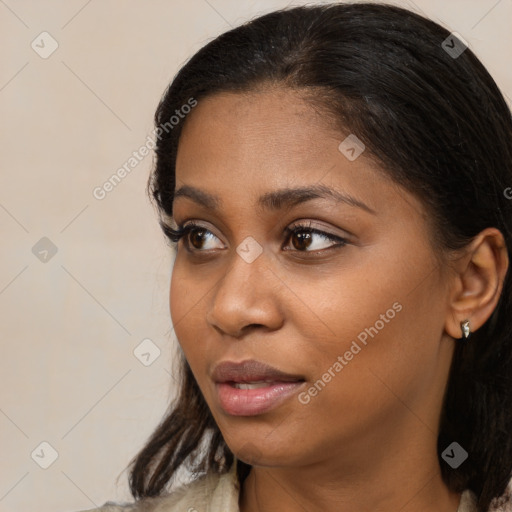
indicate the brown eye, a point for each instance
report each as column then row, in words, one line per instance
column 307, row 239
column 301, row 239
column 196, row 237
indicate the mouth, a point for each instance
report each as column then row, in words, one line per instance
column 251, row 372
column 250, row 387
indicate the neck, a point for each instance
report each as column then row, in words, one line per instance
column 401, row 479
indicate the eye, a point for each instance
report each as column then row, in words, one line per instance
column 304, row 238
column 193, row 234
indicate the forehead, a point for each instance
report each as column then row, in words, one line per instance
column 261, row 134
column 258, row 126
column 246, row 145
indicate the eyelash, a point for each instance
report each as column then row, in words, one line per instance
column 175, row 235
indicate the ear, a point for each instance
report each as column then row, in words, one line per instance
column 477, row 282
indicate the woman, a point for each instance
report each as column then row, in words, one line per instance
column 337, row 182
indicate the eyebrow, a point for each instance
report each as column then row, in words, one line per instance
column 276, row 200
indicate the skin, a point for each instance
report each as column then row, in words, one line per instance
column 367, row 440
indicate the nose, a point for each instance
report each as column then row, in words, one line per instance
column 246, row 296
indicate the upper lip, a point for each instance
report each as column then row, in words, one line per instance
column 250, row 371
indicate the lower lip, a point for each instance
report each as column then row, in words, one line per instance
column 249, row 402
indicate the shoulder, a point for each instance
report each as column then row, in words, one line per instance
column 212, row 492
column 468, row 502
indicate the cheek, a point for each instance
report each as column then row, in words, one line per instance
column 177, row 296
column 363, row 377
column 375, row 330
column 188, row 290
column 185, row 307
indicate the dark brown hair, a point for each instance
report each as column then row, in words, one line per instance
column 438, row 125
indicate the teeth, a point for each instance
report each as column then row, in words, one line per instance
column 250, row 385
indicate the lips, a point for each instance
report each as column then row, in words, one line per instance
column 251, row 387
column 251, row 371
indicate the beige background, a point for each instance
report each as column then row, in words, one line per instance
column 70, row 324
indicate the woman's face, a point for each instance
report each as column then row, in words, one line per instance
column 358, row 324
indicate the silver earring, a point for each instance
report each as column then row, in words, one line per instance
column 464, row 326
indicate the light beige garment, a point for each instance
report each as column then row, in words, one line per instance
column 215, row 493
